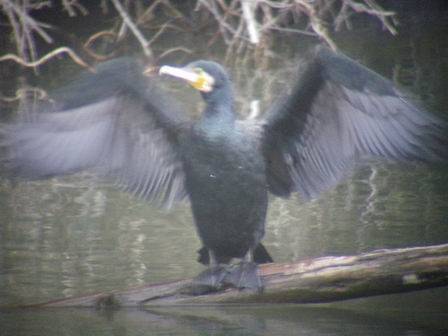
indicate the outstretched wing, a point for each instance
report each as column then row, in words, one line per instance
column 339, row 111
column 114, row 121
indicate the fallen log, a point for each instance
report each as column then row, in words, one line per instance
column 319, row 280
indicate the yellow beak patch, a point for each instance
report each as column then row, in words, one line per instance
column 197, row 77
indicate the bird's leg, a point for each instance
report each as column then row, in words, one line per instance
column 211, row 279
column 244, row 276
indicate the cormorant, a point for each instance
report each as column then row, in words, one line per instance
column 117, row 122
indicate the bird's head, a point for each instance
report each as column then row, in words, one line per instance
column 208, row 77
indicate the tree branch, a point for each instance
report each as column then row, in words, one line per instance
column 46, row 58
column 318, row 280
column 132, row 26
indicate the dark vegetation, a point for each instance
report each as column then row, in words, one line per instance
column 36, row 32
column 39, row 30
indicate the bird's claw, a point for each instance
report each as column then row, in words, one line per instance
column 245, row 277
column 210, row 280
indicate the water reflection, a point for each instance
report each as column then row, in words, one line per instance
column 268, row 320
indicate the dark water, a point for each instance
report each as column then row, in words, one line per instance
column 230, row 321
column 70, row 237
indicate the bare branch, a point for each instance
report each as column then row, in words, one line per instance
column 22, row 93
column 46, row 58
column 263, row 16
column 172, row 50
column 71, row 6
column 130, row 24
column 91, row 40
column 251, row 22
column 24, row 26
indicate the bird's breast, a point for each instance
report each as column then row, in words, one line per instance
column 223, row 161
column 225, row 181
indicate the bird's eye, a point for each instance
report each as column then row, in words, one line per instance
column 199, row 71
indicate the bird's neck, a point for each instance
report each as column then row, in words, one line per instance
column 220, row 108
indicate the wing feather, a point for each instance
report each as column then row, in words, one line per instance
column 125, row 131
column 339, row 111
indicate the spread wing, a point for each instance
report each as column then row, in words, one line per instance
column 339, row 111
column 115, row 122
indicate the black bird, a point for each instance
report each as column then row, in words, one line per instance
column 118, row 123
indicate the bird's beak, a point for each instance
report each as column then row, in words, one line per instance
column 197, row 78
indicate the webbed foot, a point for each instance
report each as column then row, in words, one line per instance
column 210, row 280
column 244, row 276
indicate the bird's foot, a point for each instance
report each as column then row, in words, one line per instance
column 244, row 276
column 210, row 280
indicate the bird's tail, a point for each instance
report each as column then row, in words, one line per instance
column 261, row 256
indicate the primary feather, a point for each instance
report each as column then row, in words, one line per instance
column 339, row 111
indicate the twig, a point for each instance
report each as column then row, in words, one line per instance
column 137, row 33
column 317, row 24
column 46, row 58
column 251, row 23
column 172, row 50
column 23, row 26
column 92, row 39
column 161, row 31
column 21, row 93
column 71, row 5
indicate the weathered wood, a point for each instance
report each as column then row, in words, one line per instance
column 318, row 280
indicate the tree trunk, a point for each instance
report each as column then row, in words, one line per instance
column 317, row 280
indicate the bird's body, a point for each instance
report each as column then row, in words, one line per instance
column 226, row 182
column 118, row 123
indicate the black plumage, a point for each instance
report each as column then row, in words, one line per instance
column 120, row 124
